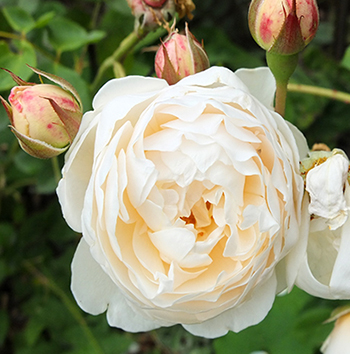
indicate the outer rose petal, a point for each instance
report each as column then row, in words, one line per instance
column 79, row 159
column 325, row 268
column 127, row 86
column 95, row 293
column 212, row 76
column 248, row 314
column 91, row 287
column 300, row 140
column 260, row 82
column 71, row 190
column 338, row 341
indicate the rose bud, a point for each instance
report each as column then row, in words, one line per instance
column 283, row 26
column 180, row 56
column 45, row 118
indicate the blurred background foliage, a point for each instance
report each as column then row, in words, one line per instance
column 71, row 38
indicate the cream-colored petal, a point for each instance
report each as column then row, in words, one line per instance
column 91, row 286
column 338, row 342
column 260, row 82
column 325, row 184
column 238, row 318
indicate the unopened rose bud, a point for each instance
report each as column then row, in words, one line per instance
column 150, row 14
column 45, row 118
column 180, row 56
column 283, row 26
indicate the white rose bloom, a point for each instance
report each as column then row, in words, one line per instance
column 325, row 267
column 325, row 184
column 188, row 198
column 338, row 341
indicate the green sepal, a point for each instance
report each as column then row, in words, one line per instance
column 338, row 312
column 7, row 107
column 69, row 123
column 168, row 72
column 37, row 148
column 62, row 82
column 17, row 79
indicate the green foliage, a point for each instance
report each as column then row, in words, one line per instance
column 15, row 58
column 73, row 39
column 66, row 35
column 294, row 325
column 19, row 19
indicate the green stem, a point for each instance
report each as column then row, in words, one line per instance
column 281, row 97
column 71, row 307
column 9, row 35
column 118, row 70
column 120, row 53
column 56, row 169
column 320, row 91
column 282, row 67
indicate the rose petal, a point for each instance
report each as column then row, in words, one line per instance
column 238, row 318
column 325, row 184
column 76, row 172
column 260, row 83
column 130, row 85
column 173, row 244
column 91, row 286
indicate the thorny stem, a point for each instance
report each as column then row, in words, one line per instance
column 320, row 91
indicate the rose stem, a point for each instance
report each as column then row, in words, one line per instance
column 56, row 169
column 320, row 91
column 282, row 67
column 127, row 44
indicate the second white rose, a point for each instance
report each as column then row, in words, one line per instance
column 188, row 198
column 324, row 270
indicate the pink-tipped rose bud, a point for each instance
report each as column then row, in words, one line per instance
column 283, row 26
column 45, row 118
column 180, row 56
